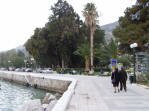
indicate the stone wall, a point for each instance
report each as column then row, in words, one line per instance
column 46, row 83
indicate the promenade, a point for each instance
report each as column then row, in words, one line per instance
column 94, row 93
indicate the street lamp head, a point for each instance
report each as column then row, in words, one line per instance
column 133, row 45
column 118, row 43
column 32, row 59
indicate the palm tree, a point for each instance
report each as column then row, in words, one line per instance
column 83, row 51
column 91, row 15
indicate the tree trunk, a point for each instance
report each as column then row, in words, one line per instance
column 87, row 64
column 63, row 64
column 91, row 52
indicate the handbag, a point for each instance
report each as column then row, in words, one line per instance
column 113, row 80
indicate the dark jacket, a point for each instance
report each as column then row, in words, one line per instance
column 115, row 75
column 123, row 75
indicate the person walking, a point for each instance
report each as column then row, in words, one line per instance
column 123, row 79
column 115, row 80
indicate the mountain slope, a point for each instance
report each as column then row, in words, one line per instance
column 108, row 30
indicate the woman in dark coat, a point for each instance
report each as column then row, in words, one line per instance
column 123, row 79
column 115, row 80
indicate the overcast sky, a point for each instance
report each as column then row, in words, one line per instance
column 19, row 18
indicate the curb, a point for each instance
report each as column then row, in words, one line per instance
column 146, row 87
column 63, row 102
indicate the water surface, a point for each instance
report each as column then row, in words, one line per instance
column 12, row 95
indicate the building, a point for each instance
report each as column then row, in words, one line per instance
column 142, row 62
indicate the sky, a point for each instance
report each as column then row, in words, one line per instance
column 19, row 18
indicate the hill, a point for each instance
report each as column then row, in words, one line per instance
column 108, row 30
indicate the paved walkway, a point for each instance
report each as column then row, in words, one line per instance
column 96, row 94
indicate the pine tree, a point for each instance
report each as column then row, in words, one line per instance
column 134, row 26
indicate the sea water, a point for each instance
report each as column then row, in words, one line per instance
column 12, row 95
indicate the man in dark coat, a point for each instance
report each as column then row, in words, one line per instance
column 123, row 79
column 115, row 79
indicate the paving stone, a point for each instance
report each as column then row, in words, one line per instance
column 96, row 94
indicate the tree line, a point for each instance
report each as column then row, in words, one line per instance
column 64, row 41
column 12, row 58
column 67, row 42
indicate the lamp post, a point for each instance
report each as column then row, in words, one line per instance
column 9, row 64
column 25, row 61
column 133, row 46
column 32, row 62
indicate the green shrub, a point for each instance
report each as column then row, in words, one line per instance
column 147, row 76
column 143, row 77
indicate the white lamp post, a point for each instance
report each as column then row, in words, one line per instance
column 33, row 63
column 25, row 61
column 10, row 62
column 133, row 46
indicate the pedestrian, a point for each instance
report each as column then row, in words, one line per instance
column 115, row 80
column 123, row 79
